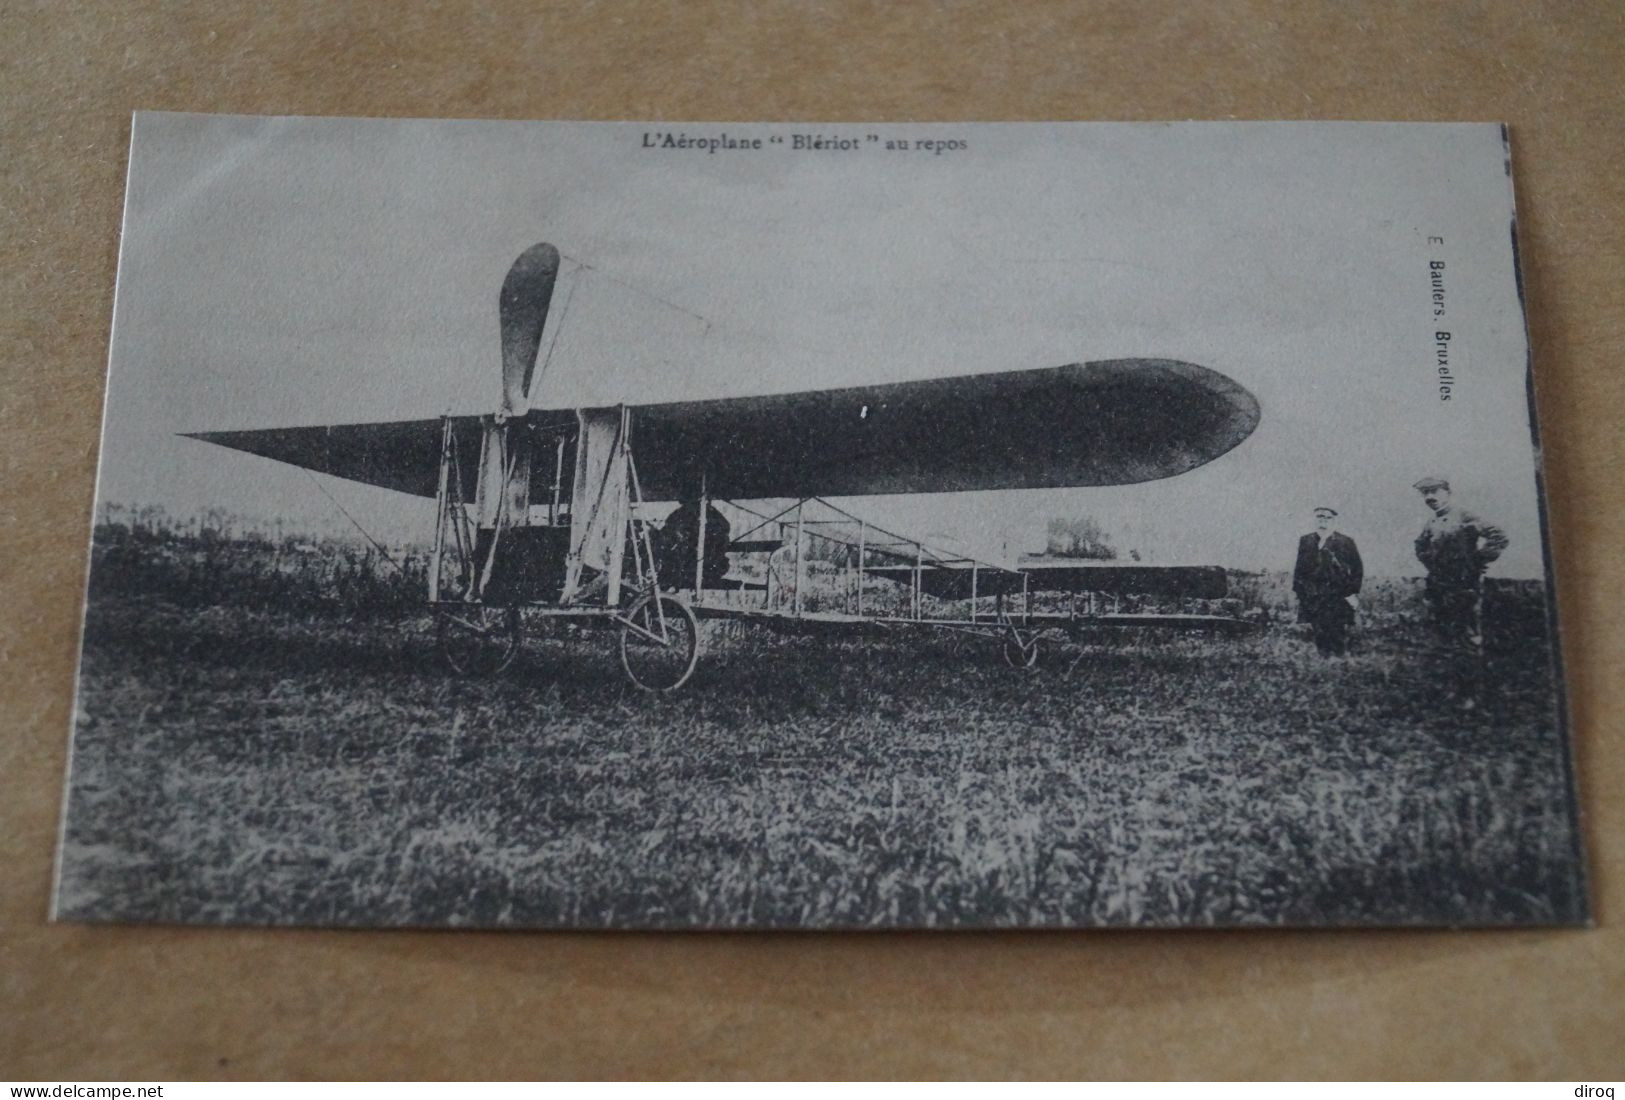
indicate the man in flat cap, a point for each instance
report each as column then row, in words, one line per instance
column 1456, row 547
column 1327, row 581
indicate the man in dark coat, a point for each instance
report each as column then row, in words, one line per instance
column 1456, row 547
column 1327, row 581
column 677, row 551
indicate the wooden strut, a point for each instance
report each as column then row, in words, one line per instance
column 476, row 572
column 507, row 463
column 456, row 514
column 699, row 548
column 642, row 548
column 617, row 548
column 797, row 607
column 440, row 512
column 617, row 551
column 919, row 565
column 863, row 533
column 558, row 483
column 461, row 525
column 642, row 562
column 786, row 510
column 801, row 570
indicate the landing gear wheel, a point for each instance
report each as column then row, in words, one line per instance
column 476, row 640
column 1017, row 655
column 660, row 643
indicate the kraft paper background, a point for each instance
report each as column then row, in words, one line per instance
column 80, row 1003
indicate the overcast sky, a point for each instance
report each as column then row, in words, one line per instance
column 311, row 271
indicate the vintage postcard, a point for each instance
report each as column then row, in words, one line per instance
column 581, row 525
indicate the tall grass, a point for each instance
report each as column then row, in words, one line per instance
column 236, row 762
column 216, row 560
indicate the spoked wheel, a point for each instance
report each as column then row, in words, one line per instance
column 476, row 640
column 1018, row 655
column 660, row 643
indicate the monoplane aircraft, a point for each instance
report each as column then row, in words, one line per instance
column 551, row 512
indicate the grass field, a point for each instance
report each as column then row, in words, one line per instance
column 279, row 761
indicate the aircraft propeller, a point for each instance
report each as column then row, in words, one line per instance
column 526, row 293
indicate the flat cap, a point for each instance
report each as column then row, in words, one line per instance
column 1325, row 508
column 1431, row 483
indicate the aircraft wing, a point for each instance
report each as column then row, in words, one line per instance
column 403, row 455
column 1107, row 423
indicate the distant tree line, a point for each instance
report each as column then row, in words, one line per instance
column 1078, row 537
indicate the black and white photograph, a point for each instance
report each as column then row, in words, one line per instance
column 790, row 526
